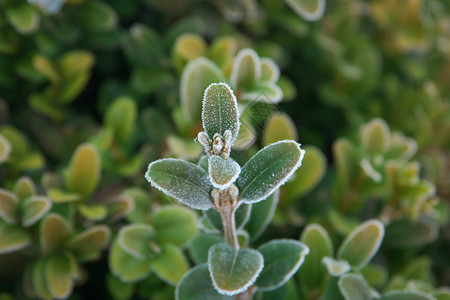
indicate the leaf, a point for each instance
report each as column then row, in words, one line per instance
column 343, row 154
column 375, row 136
column 196, row 284
column 118, row 289
column 233, row 270
column 188, row 47
column 406, row 295
column 263, row 91
column 203, row 162
column 96, row 212
column 181, row 180
column 270, row 72
column 89, row 242
column 282, row 259
column 336, row 267
column 83, row 174
column 57, row 276
column 196, row 77
column 61, row 196
column 142, row 202
column 220, row 111
column 23, row 17
column 34, row 208
column 75, row 63
column 38, row 280
column 5, row 149
column 97, row 16
column 24, row 188
column 222, row 172
column 287, row 291
column 310, row 10
column 279, row 127
column 375, row 275
column 200, row 244
column 268, row 169
column 174, row 225
column 261, row 214
column 362, row 244
column 121, row 118
column 134, row 239
column 13, row 238
column 55, row 231
column 246, row 68
column 313, row 169
column 317, row 239
column 442, row 293
column 353, row 286
column 170, row 265
column 127, row 267
column 405, row 233
column 8, row 206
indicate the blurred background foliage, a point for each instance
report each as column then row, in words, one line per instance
column 92, row 91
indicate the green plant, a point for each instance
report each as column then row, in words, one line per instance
column 219, row 183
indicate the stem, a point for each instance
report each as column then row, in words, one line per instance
column 227, row 210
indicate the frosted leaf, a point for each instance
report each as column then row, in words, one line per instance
column 269, row 70
column 310, row 10
column 197, row 76
column 181, row 180
column 263, row 91
column 233, row 270
column 246, row 68
column 362, row 243
column 336, row 267
column 220, row 111
column 5, row 149
column 222, row 172
column 270, row 168
column 370, row 171
column 353, row 286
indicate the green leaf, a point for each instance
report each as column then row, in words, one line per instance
column 261, row 214
column 13, row 238
column 279, row 127
column 442, row 293
column 203, row 162
column 362, row 244
column 222, row 172
column 61, row 196
column 317, row 239
column 336, row 267
column 83, row 174
column 263, row 91
column 188, row 47
column 23, row 17
column 197, row 76
column 270, row 72
column 9, row 205
column 34, row 208
column 268, row 170
column 96, row 212
column 97, row 16
column 73, row 86
column 233, row 270
column 75, row 63
column 125, row 266
column 375, row 275
column 142, row 203
column 200, row 244
column 174, row 225
column 134, row 239
column 58, row 277
column 181, row 180
column 118, row 289
column 353, row 286
column 313, row 169
column 38, row 280
column 55, row 231
column 375, row 136
column 310, row 10
column 406, row 295
column 46, row 67
column 406, row 234
column 89, row 242
column 121, row 118
column 282, row 259
column 196, row 284
column 287, row 291
column 220, row 111
column 24, row 188
column 246, row 68
column 5, row 149
column 343, row 154
column 170, row 265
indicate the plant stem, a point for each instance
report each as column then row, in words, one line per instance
column 227, row 210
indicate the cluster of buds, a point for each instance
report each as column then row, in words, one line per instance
column 225, row 198
column 219, row 145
